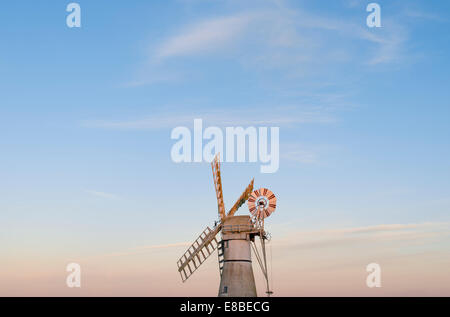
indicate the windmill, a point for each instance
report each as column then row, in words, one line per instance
column 238, row 237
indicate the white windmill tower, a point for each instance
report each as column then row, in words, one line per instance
column 238, row 238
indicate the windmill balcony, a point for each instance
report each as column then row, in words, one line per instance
column 239, row 224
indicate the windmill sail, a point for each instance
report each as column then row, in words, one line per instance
column 215, row 164
column 198, row 252
column 241, row 200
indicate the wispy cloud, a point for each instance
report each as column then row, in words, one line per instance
column 162, row 246
column 412, row 232
column 327, row 237
column 385, row 227
column 280, row 37
column 231, row 118
column 102, row 194
column 145, row 249
column 205, row 36
column 280, row 30
column 300, row 156
column 306, row 154
column 420, row 14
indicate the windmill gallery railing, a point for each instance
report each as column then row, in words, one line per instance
column 236, row 228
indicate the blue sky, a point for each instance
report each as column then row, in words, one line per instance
column 86, row 116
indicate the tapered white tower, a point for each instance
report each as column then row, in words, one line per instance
column 237, row 279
